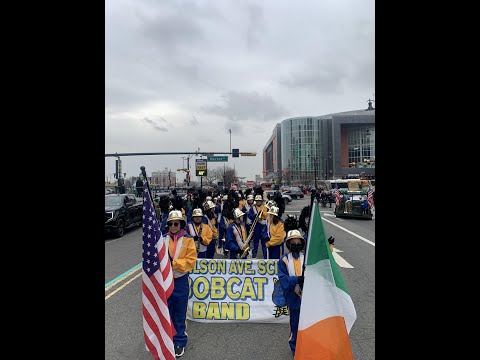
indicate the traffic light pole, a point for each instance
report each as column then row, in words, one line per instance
column 197, row 153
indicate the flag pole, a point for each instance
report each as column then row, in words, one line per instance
column 312, row 199
column 144, row 173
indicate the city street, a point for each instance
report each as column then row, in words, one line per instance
column 354, row 253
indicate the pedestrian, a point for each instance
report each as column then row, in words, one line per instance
column 209, row 219
column 201, row 233
column 258, row 211
column 274, row 234
column 221, row 223
column 139, row 186
column 246, row 208
column 183, row 255
column 291, row 279
column 236, row 235
column 330, row 199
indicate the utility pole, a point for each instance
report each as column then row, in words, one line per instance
column 188, row 171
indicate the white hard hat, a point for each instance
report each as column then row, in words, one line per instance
column 237, row 213
column 197, row 212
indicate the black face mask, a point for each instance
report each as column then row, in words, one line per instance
column 296, row 247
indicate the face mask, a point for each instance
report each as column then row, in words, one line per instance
column 296, row 247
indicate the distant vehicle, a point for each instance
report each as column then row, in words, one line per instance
column 352, row 208
column 266, row 185
column 250, row 184
column 351, row 184
column 270, row 193
column 122, row 211
column 295, row 192
column 287, row 197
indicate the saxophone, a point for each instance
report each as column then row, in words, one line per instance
column 246, row 245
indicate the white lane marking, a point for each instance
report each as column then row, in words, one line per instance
column 339, row 260
column 350, row 232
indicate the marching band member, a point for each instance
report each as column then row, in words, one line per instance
column 246, row 207
column 183, row 255
column 236, row 234
column 290, row 277
column 257, row 231
column 211, row 222
column 221, row 222
column 274, row 234
column 241, row 202
column 201, row 233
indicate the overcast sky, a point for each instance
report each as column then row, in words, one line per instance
column 179, row 74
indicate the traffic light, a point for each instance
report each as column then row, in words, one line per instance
column 235, row 153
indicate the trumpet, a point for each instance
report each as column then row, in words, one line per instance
column 246, row 247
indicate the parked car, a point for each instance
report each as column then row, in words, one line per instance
column 286, row 197
column 270, row 193
column 122, row 211
column 294, row 192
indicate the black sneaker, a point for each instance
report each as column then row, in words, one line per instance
column 179, row 350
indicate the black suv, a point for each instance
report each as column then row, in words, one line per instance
column 122, row 211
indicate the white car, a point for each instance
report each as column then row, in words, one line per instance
column 269, row 195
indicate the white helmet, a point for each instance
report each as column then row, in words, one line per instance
column 238, row 213
column 197, row 212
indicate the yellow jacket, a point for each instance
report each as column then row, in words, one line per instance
column 185, row 254
column 207, row 233
column 214, row 226
column 277, row 234
column 241, row 203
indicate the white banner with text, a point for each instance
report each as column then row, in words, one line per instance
column 234, row 291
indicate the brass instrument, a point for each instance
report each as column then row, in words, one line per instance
column 199, row 236
column 246, row 247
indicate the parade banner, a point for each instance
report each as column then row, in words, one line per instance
column 228, row 290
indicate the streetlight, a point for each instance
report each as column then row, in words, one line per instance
column 314, row 169
column 230, row 130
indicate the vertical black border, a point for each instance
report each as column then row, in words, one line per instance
column 55, row 157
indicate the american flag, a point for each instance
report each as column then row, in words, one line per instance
column 370, row 197
column 157, row 285
column 336, row 192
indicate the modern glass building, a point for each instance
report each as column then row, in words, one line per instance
column 326, row 147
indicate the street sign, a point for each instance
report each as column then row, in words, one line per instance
column 217, row 158
column 248, row 154
column 200, row 167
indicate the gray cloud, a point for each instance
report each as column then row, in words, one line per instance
column 194, row 121
column 243, row 65
column 256, row 25
column 155, row 124
column 321, row 78
column 247, row 106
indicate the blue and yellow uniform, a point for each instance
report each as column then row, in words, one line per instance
column 212, row 224
column 289, row 269
column 221, row 224
column 274, row 236
column 259, row 226
column 201, row 230
column 236, row 236
column 248, row 222
column 183, row 253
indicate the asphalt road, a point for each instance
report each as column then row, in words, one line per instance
column 354, row 239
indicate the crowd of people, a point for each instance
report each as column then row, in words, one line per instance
column 233, row 224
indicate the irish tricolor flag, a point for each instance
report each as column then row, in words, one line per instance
column 327, row 312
